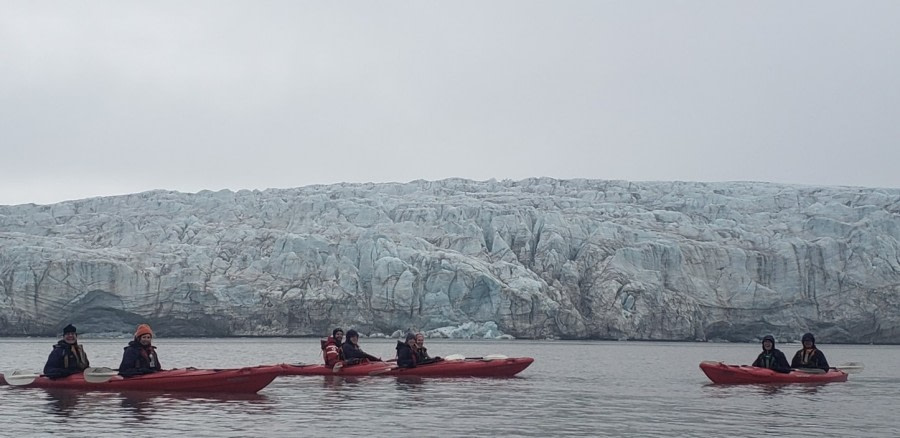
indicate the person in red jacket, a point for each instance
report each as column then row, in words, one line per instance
column 331, row 348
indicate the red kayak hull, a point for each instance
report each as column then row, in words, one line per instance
column 508, row 367
column 236, row 380
column 722, row 373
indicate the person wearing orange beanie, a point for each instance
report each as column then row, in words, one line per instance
column 142, row 330
column 140, row 355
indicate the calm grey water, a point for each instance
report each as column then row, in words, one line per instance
column 573, row 389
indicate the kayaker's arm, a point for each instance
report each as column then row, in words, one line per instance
column 757, row 362
column 781, row 363
column 371, row 358
column 822, row 362
column 54, row 369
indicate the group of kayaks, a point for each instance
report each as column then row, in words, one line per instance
column 253, row 379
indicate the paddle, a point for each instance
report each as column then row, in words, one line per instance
column 99, row 374
column 849, row 368
column 491, row 357
column 810, row 370
column 852, row 367
column 487, row 358
column 382, row 371
column 21, row 377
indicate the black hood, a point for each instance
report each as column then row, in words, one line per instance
column 768, row 338
column 808, row 337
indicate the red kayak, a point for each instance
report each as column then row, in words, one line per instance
column 469, row 367
column 235, row 380
column 719, row 372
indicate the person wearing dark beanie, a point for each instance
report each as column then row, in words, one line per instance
column 352, row 353
column 809, row 356
column 331, row 348
column 67, row 357
column 406, row 352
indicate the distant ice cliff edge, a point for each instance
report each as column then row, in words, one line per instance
column 537, row 258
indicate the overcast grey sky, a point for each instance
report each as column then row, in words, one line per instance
column 101, row 98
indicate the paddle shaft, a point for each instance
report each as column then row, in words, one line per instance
column 382, row 371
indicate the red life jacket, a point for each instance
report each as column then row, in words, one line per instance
column 331, row 353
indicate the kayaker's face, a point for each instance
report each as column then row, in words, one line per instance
column 807, row 344
column 354, row 340
column 420, row 341
column 339, row 337
column 767, row 345
column 411, row 343
column 145, row 340
column 70, row 338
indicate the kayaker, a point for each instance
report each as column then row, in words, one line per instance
column 421, row 351
column 352, row 353
column 771, row 357
column 67, row 357
column 140, row 355
column 406, row 352
column 422, row 356
column 809, row 356
column 331, row 347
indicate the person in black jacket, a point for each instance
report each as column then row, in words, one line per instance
column 422, row 356
column 406, row 352
column 140, row 355
column 67, row 356
column 352, row 353
column 809, row 356
column 771, row 357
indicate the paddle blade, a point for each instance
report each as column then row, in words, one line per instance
column 21, row 377
column 382, row 371
column 99, row 374
column 487, row 358
column 852, row 367
column 810, row 370
column 491, row 357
